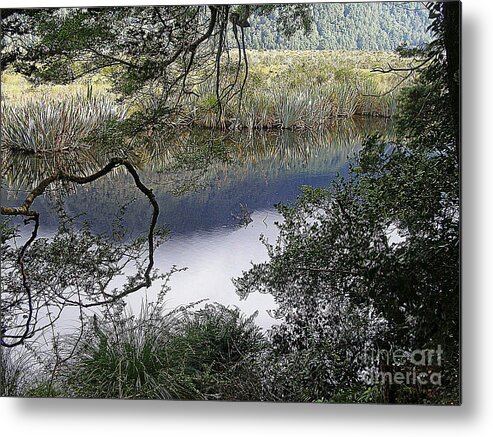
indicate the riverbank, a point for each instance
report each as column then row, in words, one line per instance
column 292, row 90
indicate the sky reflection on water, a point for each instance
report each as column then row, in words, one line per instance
column 261, row 170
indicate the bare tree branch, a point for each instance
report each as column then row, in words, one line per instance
column 32, row 215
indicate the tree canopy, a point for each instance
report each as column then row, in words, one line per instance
column 153, row 55
column 347, row 26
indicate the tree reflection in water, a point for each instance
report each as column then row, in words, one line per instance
column 87, row 262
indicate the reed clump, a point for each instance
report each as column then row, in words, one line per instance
column 46, row 124
column 301, row 90
column 182, row 354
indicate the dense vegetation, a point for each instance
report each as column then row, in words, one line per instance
column 301, row 90
column 372, row 263
column 361, row 270
column 221, row 84
column 347, row 26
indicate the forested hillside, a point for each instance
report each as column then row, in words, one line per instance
column 350, row 26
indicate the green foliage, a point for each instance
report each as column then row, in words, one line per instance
column 41, row 390
column 370, row 264
column 347, row 26
column 285, row 90
column 183, row 354
column 158, row 63
column 378, row 250
column 126, row 357
column 289, row 18
column 359, row 394
column 217, row 348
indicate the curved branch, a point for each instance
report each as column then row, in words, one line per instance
column 24, row 210
column 391, row 90
column 394, row 69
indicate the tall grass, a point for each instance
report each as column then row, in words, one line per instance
column 301, row 90
column 182, row 354
column 47, row 124
column 285, row 90
column 125, row 357
column 217, row 348
column 16, row 372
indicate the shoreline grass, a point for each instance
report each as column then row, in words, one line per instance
column 301, row 90
column 47, row 124
column 285, row 90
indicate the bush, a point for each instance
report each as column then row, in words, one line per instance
column 217, row 348
column 182, row 354
column 47, row 124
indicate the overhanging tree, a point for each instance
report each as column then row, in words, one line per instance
column 153, row 56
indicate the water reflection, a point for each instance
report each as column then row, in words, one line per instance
column 199, row 177
column 203, row 181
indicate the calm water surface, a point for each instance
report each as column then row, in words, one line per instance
column 206, row 184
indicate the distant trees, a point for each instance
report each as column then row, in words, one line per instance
column 347, row 26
